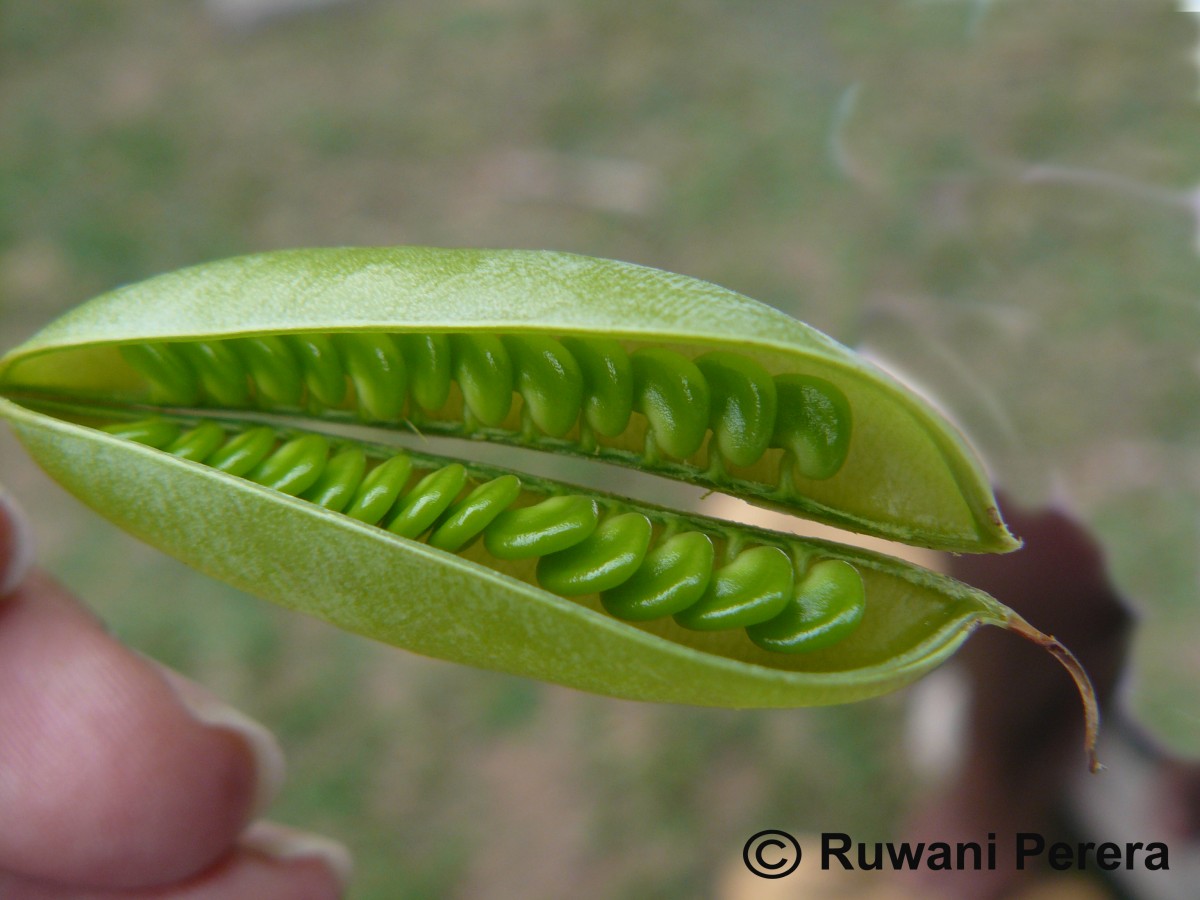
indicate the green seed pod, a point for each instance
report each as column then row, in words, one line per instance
column 622, row 364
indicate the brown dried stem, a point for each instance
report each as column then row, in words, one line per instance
column 1087, row 693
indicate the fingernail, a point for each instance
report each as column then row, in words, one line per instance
column 270, row 764
column 16, row 544
column 286, row 844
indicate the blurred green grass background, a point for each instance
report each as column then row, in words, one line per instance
column 996, row 196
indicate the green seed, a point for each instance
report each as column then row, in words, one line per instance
column 827, row 606
column 743, row 405
column 273, row 368
column 431, row 496
column 220, row 370
column 377, row 371
column 607, row 383
column 294, row 467
column 324, row 375
column 157, row 433
column 813, row 424
column 673, row 396
column 339, row 481
column 608, row 557
column 244, row 451
column 548, row 527
column 753, row 588
column 467, row 519
column 670, row 579
column 199, row 443
column 484, row 373
column 429, row 368
column 548, row 379
column 171, row 378
column 379, row 490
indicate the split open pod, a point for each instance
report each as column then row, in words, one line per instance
column 208, row 411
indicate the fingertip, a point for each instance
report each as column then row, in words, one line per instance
column 270, row 861
column 270, row 764
column 111, row 780
column 288, row 845
column 16, row 544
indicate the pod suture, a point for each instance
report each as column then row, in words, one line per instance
column 147, row 404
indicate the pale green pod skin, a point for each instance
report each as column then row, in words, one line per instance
column 907, row 474
column 609, row 556
column 819, row 615
column 755, row 587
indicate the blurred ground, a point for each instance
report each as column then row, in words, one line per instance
column 993, row 195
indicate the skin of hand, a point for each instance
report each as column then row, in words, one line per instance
column 121, row 779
